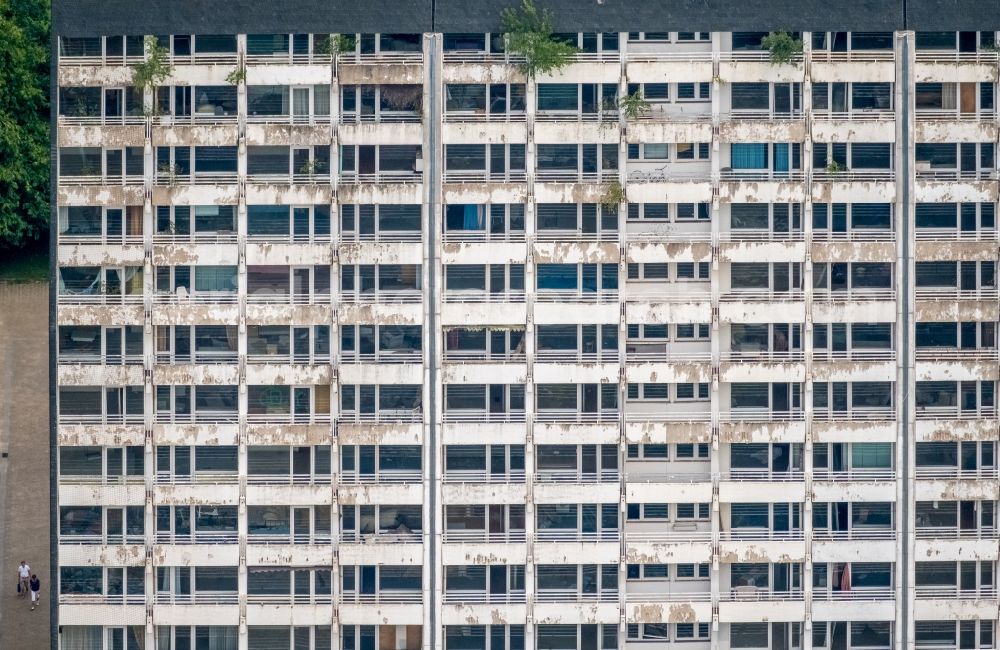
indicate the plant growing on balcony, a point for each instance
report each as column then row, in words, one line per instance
column 154, row 70
column 308, row 168
column 834, row 167
column 634, row 106
column 614, row 196
column 336, row 44
column 528, row 33
column 781, row 46
column 237, row 75
column 169, row 172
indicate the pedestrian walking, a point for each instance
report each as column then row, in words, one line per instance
column 36, row 586
column 23, row 575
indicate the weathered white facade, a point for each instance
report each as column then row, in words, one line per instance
column 405, row 350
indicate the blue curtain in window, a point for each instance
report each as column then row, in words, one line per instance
column 749, row 156
column 781, row 157
column 474, row 218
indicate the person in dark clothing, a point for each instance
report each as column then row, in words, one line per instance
column 36, row 586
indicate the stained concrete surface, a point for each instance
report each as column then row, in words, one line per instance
column 24, row 472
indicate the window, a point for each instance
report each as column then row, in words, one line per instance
column 692, row 270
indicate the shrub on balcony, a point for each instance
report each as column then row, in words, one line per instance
column 528, row 33
column 154, row 70
column 781, row 46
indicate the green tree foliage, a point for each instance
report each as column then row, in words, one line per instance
column 782, row 47
column 24, row 120
column 529, row 34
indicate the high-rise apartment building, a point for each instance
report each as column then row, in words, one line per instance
column 402, row 350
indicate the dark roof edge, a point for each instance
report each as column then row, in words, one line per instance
column 97, row 17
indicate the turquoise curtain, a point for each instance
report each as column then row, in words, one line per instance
column 749, row 156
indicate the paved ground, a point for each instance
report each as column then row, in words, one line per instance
column 24, row 473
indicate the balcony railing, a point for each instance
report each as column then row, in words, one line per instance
column 853, row 295
column 956, row 473
column 200, row 416
column 552, row 235
column 92, row 180
column 197, row 537
column 200, row 598
column 457, row 596
column 576, row 596
column 760, row 534
column 196, row 298
column 207, row 118
column 575, row 176
column 393, row 416
column 483, row 296
column 101, row 418
column 855, row 474
column 482, row 415
column 484, row 536
column 756, row 55
column 289, row 599
column 573, row 356
column 101, row 479
column 410, row 296
column 954, row 532
column 648, row 353
column 204, row 357
column 954, row 114
column 576, row 295
column 381, row 537
column 669, row 597
column 465, row 356
column 381, row 236
column 955, row 174
column 574, row 416
column 100, row 540
column 285, row 538
column 275, row 297
column 953, row 56
column 482, row 236
column 288, row 418
column 756, row 356
column 761, row 415
column 218, row 237
column 482, row 116
column 854, row 534
column 285, row 358
column 954, row 592
column 862, row 56
column 304, row 120
column 855, row 594
column 483, row 476
column 669, row 416
column 198, row 478
column 821, row 355
column 744, row 594
column 925, row 353
column 954, row 293
column 853, row 175
column 77, row 239
column 314, row 178
column 954, row 234
column 955, row 412
column 286, row 58
column 382, row 477
column 101, row 120
column 761, row 115
column 858, row 413
column 382, row 117
column 289, row 479
column 381, row 598
column 566, row 535
column 648, row 476
column 856, row 115
column 382, row 356
column 100, row 299
column 755, row 175
column 691, row 535
column 667, row 174
column 754, row 475
column 769, row 295
column 483, row 176
column 380, row 57
column 97, row 359
column 405, row 177
column 855, row 235
column 198, row 178
column 760, row 235
column 102, row 599
column 576, row 476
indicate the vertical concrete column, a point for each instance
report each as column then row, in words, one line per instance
column 716, row 284
column 149, row 357
column 905, row 445
column 622, row 336
column 807, row 327
column 531, row 104
column 431, row 269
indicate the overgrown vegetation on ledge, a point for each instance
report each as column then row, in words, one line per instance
column 528, row 33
